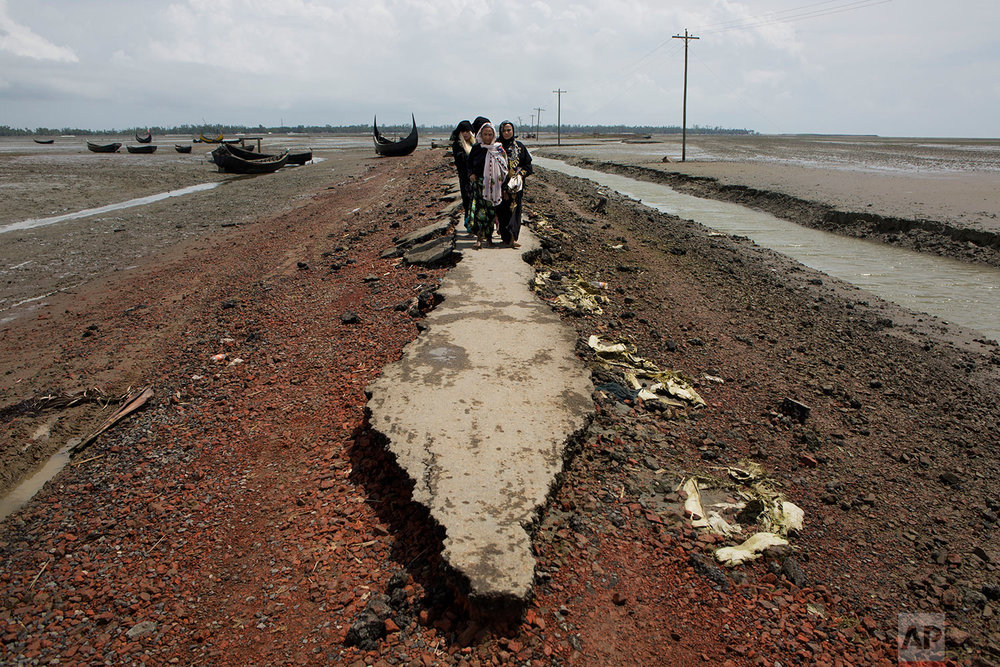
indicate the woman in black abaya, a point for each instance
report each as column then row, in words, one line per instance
column 518, row 168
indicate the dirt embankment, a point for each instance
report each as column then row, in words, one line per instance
column 895, row 466
column 940, row 238
column 249, row 516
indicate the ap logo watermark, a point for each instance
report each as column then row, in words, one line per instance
column 920, row 639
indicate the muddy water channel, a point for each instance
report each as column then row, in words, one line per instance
column 965, row 294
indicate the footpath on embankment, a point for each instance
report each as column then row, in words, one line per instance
column 478, row 413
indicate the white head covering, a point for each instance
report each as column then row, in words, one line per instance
column 495, row 171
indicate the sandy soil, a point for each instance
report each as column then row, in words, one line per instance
column 247, row 515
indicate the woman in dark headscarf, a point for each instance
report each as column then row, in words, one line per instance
column 461, row 146
column 518, row 168
column 478, row 123
column 487, row 173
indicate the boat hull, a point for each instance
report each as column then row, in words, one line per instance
column 104, row 148
column 228, row 162
column 388, row 148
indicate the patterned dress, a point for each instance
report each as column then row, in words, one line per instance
column 481, row 214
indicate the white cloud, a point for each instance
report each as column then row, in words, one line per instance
column 342, row 61
column 22, row 41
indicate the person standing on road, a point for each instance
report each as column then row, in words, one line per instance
column 461, row 145
column 487, row 173
column 518, row 169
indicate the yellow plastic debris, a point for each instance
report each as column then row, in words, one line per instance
column 750, row 550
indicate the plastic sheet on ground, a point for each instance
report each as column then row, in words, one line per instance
column 710, row 520
column 751, row 549
column 759, row 506
column 653, row 383
column 581, row 296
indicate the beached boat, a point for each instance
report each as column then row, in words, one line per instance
column 293, row 158
column 104, row 148
column 182, row 148
column 247, row 154
column 207, row 140
column 147, row 148
column 300, row 158
column 148, row 138
column 389, row 148
column 44, row 141
column 228, row 161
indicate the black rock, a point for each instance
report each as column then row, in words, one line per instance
column 303, row 266
column 790, row 568
column 365, row 632
column 349, row 318
column 710, row 571
column 949, row 478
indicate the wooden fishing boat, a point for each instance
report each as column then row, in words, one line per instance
column 104, row 148
column 44, row 141
column 389, row 148
column 146, row 148
column 207, row 140
column 293, row 158
column 248, row 154
column 182, row 148
column 228, row 161
column 300, row 158
column 144, row 139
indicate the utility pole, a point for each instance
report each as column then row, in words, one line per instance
column 532, row 120
column 538, row 120
column 559, row 116
column 684, row 114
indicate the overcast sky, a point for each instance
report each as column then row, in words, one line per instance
column 887, row 67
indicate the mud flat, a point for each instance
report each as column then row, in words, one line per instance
column 933, row 195
column 65, row 262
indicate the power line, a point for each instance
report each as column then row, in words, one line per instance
column 684, row 117
column 559, row 115
column 791, row 15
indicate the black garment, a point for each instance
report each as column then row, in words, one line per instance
column 476, row 163
column 462, row 167
column 509, row 211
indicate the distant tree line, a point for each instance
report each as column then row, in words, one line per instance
column 209, row 130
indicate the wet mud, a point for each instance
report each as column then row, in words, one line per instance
column 931, row 236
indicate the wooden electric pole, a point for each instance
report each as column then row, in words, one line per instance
column 684, row 114
column 559, row 116
column 538, row 120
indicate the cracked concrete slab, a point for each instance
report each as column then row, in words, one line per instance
column 479, row 410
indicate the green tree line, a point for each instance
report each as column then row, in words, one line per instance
column 212, row 130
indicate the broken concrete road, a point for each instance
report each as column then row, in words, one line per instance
column 479, row 411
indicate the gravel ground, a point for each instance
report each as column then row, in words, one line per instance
column 248, row 516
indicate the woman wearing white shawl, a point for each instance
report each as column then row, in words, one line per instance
column 487, row 173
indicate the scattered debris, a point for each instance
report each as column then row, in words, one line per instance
column 130, row 404
column 750, row 550
column 661, row 388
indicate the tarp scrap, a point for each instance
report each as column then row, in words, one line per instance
column 751, row 549
column 652, row 383
column 761, row 506
column 582, row 297
column 711, row 519
column 777, row 515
